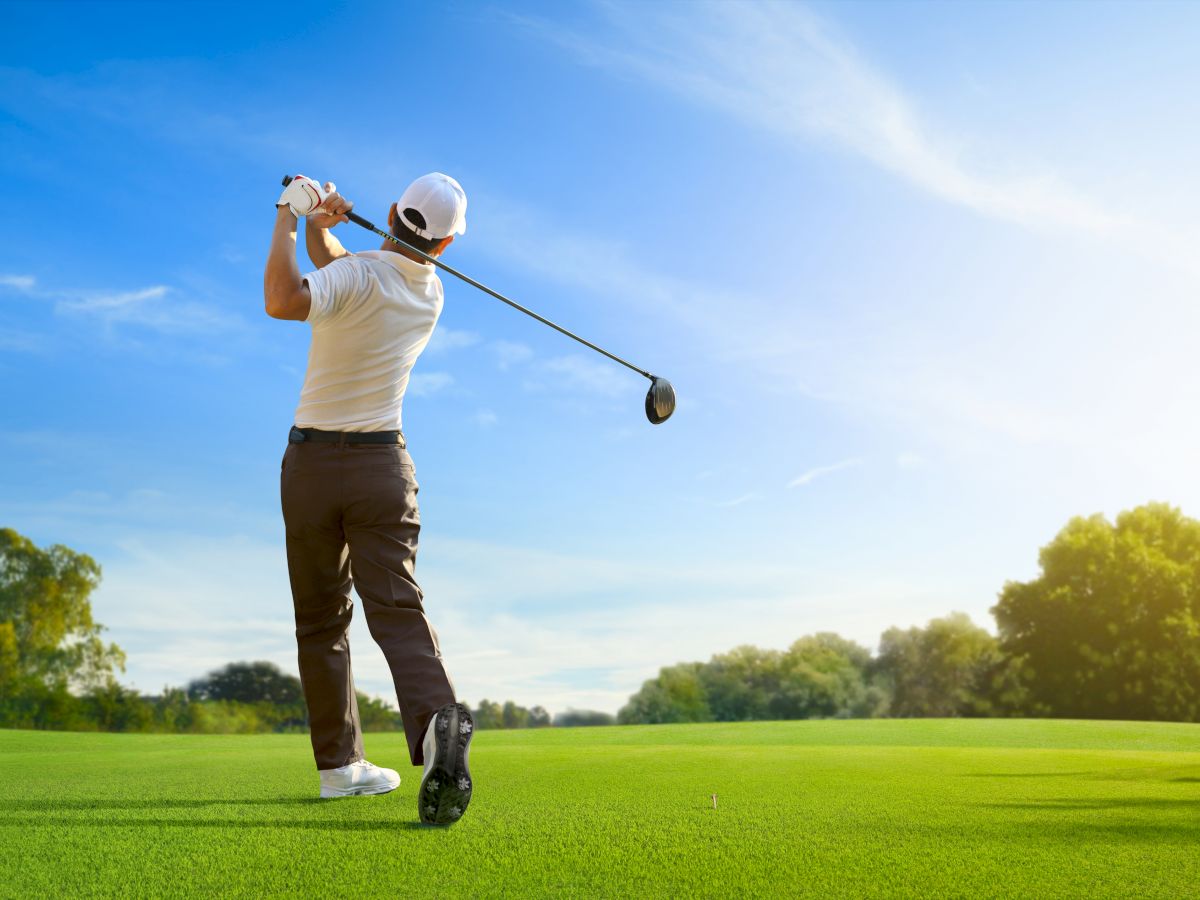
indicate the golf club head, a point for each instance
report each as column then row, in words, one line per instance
column 660, row 400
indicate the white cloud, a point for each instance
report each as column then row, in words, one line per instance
column 423, row 384
column 153, row 308
column 783, row 68
column 485, row 418
column 510, row 353
column 736, row 501
column 578, row 373
column 18, row 341
column 821, row 471
column 18, row 282
column 446, row 339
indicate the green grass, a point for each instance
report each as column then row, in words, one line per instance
column 851, row 808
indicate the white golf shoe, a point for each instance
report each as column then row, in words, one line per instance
column 446, row 783
column 358, row 778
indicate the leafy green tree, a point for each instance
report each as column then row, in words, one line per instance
column 742, row 684
column 248, row 682
column 951, row 667
column 47, row 633
column 1111, row 627
column 377, row 715
column 576, row 718
column 538, row 717
column 676, row 695
column 825, row 676
column 514, row 716
column 819, row 676
column 111, row 707
column 488, row 715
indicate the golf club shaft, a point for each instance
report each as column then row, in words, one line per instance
column 359, row 220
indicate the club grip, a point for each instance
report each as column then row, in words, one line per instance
column 359, row 220
column 287, row 179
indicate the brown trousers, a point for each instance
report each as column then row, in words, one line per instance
column 351, row 516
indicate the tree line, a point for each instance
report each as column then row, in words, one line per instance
column 1110, row 628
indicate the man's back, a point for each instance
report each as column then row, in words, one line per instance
column 372, row 314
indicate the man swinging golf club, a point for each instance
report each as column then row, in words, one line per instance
column 348, row 488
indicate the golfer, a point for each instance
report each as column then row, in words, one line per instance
column 348, row 488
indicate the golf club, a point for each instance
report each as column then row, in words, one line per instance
column 660, row 399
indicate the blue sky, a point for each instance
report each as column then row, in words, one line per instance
column 924, row 277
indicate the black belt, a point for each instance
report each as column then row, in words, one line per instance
column 300, row 435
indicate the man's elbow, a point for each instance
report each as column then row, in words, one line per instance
column 280, row 305
column 275, row 308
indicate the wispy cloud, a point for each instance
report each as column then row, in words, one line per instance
column 485, row 418
column 510, row 353
column 821, row 471
column 18, row 282
column 23, row 341
column 154, row 308
column 736, row 501
column 785, row 69
column 423, row 384
column 446, row 339
column 578, row 373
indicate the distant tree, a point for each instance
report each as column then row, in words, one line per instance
column 676, row 695
column 377, row 715
column 248, row 682
column 825, row 676
column 575, row 718
column 488, row 715
column 514, row 716
column 47, row 634
column 538, row 717
column 951, row 667
column 740, row 685
column 111, row 707
column 1111, row 627
column 819, row 676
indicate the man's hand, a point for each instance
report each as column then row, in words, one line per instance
column 332, row 211
column 303, row 195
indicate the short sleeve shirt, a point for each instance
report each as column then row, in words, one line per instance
column 372, row 314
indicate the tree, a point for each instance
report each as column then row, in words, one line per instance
column 47, row 634
column 1111, row 627
column 951, row 667
column 576, row 718
column 248, row 682
column 821, row 675
column 514, row 716
column 538, row 717
column 676, row 695
column 825, row 676
column 488, row 715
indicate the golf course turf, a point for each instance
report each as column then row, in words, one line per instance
column 969, row 808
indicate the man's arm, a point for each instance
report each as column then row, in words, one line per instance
column 323, row 248
column 285, row 292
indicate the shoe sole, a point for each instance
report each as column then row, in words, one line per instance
column 330, row 793
column 446, row 787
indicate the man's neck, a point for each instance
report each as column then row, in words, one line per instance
column 404, row 251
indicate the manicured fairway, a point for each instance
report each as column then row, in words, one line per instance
column 843, row 808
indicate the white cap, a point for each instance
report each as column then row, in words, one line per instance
column 440, row 200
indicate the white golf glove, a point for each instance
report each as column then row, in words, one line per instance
column 303, row 195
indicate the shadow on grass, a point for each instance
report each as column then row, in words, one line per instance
column 150, row 803
column 1111, row 803
column 1027, row 774
column 224, row 824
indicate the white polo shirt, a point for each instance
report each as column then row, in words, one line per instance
column 372, row 314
